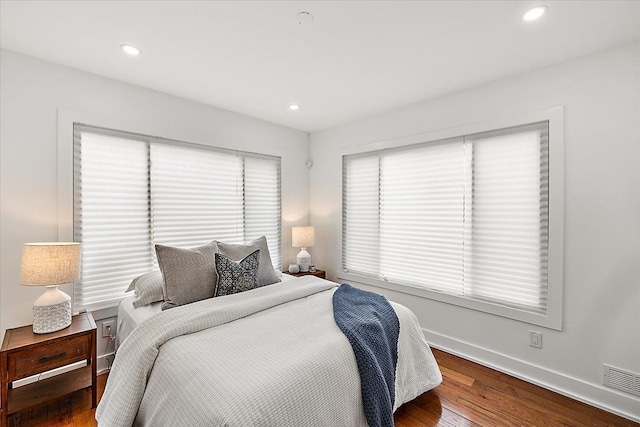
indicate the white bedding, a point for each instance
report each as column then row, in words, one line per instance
column 272, row 356
column 130, row 317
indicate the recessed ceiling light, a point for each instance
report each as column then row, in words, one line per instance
column 131, row 50
column 534, row 13
column 294, row 107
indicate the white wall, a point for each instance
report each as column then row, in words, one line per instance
column 601, row 95
column 31, row 93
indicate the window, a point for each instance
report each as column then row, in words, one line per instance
column 132, row 191
column 466, row 218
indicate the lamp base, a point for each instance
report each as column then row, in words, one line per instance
column 303, row 259
column 52, row 311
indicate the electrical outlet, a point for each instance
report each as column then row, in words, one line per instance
column 108, row 328
column 535, row 339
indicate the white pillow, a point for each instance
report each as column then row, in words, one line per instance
column 148, row 288
column 189, row 275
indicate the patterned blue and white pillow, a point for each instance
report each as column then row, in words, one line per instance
column 236, row 276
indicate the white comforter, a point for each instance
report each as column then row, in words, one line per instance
column 273, row 356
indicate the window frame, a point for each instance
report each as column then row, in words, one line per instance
column 553, row 318
column 125, row 124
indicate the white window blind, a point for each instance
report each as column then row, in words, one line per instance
column 132, row 191
column 196, row 196
column 466, row 216
column 506, row 239
column 262, row 212
column 361, row 216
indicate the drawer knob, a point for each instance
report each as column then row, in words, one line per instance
column 57, row 356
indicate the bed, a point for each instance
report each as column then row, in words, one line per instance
column 271, row 356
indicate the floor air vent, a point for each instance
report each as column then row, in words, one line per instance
column 622, row 380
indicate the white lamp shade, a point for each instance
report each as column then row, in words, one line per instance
column 54, row 263
column 303, row 237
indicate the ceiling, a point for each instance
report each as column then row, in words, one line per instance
column 357, row 58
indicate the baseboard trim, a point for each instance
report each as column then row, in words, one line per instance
column 104, row 365
column 596, row 395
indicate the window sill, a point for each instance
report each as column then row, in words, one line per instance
column 548, row 321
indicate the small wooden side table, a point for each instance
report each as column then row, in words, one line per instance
column 24, row 354
column 318, row 273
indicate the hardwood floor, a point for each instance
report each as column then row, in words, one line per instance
column 473, row 395
column 470, row 395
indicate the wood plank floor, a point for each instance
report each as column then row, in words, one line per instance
column 470, row 395
column 473, row 395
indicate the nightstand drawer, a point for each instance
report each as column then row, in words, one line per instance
column 34, row 360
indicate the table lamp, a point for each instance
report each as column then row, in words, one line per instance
column 50, row 264
column 303, row 238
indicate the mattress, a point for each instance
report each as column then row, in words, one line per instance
column 130, row 317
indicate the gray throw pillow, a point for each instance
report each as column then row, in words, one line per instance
column 148, row 288
column 234, row 277
column 189, row 274
column 266, row 273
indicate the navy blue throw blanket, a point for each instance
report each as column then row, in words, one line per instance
column 372, row 327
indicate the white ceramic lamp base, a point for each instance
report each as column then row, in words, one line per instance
column 52, row 311
column 303, row 259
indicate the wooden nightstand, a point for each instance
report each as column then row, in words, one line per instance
column 318, row 273
column 24, row 354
